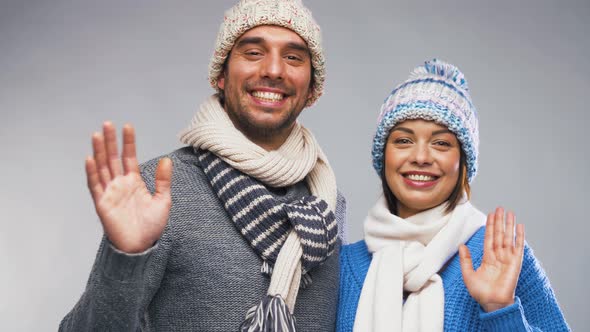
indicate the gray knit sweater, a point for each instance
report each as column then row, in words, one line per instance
column 201, row 275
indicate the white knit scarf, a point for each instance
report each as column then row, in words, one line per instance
column 300, row 157
column 407, row 255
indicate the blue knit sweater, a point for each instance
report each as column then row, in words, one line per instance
column 535, row 307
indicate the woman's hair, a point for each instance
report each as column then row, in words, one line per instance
column 461, row 186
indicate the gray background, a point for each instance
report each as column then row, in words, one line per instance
column 65, row 66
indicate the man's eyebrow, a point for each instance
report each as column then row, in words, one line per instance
column 249, row 40
column 259, row 40
column 298, row 46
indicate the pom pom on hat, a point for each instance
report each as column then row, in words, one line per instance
column 443, row 69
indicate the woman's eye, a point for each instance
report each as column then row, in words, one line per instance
column 402, row 141
column 442, row 143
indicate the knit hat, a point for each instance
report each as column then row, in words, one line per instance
column 436, row 91
column 291, row 14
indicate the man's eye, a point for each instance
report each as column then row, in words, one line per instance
column 294, row 58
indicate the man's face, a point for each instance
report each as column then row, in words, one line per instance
column 266, row 83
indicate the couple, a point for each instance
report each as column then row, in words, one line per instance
column 246, row 232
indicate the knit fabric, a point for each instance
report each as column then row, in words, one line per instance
column 299, row 157
column 201, row 275
column 407, row 255
column 290, row 14
column 436, row 91
column 535, row 307
column 264, row 221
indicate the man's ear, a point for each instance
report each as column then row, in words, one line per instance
column 310, row 92
column 221, row 81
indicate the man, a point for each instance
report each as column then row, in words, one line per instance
column 244, row 234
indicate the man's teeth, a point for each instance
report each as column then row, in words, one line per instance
column 267, row 96
column 416, row 177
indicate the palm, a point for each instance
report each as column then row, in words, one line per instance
column 493, row 284
column 132, row 218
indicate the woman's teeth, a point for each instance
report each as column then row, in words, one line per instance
column 267, row 96
column 424, row 178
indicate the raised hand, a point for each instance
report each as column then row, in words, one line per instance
column 132, row 218
column 494, row 282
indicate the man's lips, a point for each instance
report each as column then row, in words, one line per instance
column 268, row 96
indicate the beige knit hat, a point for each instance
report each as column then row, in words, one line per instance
column 291, row 14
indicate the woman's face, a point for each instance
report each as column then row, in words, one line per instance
column 422, row 161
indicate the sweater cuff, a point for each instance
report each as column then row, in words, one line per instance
column 121, row 266
column 510, row 318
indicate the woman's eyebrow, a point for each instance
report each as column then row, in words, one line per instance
column 442, row 131
column 404, row 129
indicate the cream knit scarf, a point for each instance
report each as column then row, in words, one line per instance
column 300, row 157
column 407, row 255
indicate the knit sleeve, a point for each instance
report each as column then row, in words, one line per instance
column 120, row 285
column 116, row 291
column 535, row 307
column 354, row 264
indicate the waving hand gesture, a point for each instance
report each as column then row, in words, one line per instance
column 133, row 219
column 493, row 284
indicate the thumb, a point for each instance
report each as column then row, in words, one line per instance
column 466, row 263
column 163, row 178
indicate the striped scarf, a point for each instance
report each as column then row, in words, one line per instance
column 299, row 158
column 265, row 222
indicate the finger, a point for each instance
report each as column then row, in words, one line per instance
column 129, row 155
column 466, row 263
column 110, row 138
column 101, row 159
column 509, row 232
column 488, row 242
column 498, row 228
column 93, row 180
column 163, row 178
column 519, row 248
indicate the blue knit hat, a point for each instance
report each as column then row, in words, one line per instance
column 436, row 91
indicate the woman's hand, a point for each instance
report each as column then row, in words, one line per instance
column 494, row 282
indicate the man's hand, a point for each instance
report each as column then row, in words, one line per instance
column 494, row 282
column 132, row 218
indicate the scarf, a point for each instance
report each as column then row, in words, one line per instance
column 291, row 239
column 407, row 255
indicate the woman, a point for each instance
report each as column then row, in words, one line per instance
column 415, row 269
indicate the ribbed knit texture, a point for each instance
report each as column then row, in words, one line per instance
column 535, row 309
column 201, row 275
column 300, row 157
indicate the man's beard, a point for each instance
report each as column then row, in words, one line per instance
column 256, row 131
column 249, row 127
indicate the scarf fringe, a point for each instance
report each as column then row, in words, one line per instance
column 270, row 315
